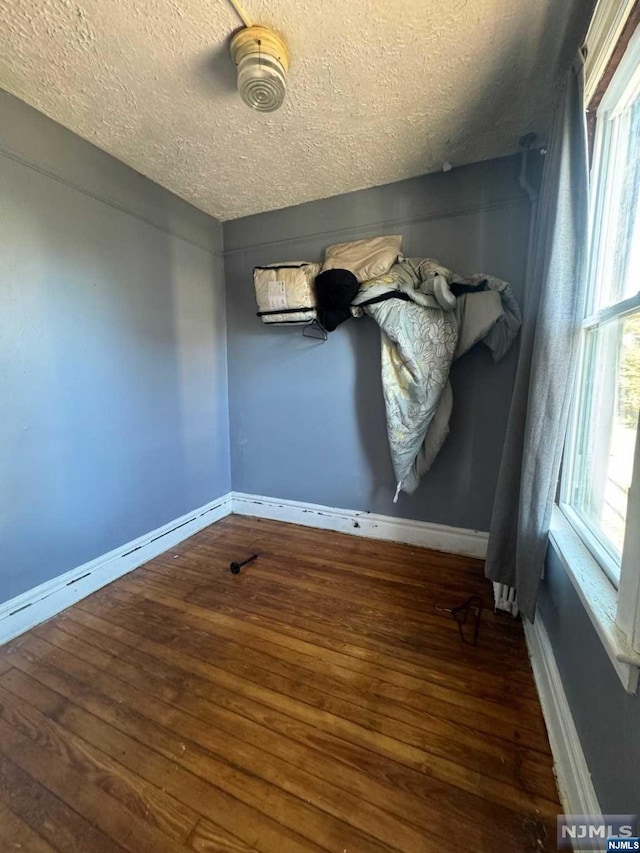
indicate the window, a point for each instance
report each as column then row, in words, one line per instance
column 599, row 461
column 596, row 529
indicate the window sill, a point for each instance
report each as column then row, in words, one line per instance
column 598, row 595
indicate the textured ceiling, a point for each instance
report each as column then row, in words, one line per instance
column 378, row 91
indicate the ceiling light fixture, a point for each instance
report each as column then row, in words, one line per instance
column 262, row 61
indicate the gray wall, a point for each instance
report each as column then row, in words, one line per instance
column 307, row 419
column 607, row 718
column 113, row 379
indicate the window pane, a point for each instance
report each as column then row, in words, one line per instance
column 609, row 407
column 619, row 258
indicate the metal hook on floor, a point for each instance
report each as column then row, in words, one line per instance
column 460, row 613
column 235, row 567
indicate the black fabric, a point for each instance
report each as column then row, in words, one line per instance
column 284, row 311
column 283, row 267
column 390, row 294
column 457, row 288
column 335, row 291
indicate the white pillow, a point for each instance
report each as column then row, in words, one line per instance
column 285, row 292
column 365, row 258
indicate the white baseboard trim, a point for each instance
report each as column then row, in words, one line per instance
column 44, row 601
column 439, row 537
column 576, row 789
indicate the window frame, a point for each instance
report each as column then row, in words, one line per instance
column 612, row 601
column 621, row 89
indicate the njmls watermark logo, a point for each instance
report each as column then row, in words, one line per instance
column 615, row 844
column 591, row 832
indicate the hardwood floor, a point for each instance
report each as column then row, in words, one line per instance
column 320, row 700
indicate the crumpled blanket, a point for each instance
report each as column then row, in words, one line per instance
column 421, row 335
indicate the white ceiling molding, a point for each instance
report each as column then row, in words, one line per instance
column 606, row 27
column 375, row 93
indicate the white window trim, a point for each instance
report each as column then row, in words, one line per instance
column 628, row 613
column 598, row 595
column 607, row 24
column 614, row 613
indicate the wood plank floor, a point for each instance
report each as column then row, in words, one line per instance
column 320, row 700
